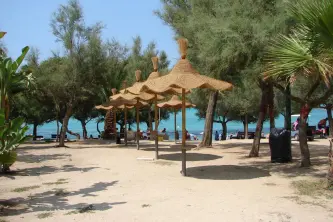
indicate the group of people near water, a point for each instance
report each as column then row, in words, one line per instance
column 322, row 126
column 146, row 134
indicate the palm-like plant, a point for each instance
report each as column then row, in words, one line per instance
column 305, row 53
column 12, row 81
column 11, row 136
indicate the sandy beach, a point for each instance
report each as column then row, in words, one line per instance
column 99, row 181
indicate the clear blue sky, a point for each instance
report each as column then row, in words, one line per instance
column 28, row 23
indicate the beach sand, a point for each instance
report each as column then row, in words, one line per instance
column 51, row 184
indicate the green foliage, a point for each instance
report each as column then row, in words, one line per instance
column 230, row 35
column 34, row 105
column 227, row 39
column 2, row 34
column 12, row 133
column 44, row 215
column 305, row 54
column 141, row 59
column 12, row 81
column 8, row 158
column 24, row 189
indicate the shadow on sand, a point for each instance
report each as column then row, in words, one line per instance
column 36, row 171
column 318, row 154
column 226, row 172
column 33, row 158
column 189, row 157
column 49, row 201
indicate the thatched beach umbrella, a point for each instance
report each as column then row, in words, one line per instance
column 125, row 105
column 142, row 96
column 185, row 77
column 135, row 89
column 176, row 104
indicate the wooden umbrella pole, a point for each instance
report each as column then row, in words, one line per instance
column 125, row 131
column 115, row 124
column 183, row 134
column 156, row 128
column 174, row 111
column 149, row 120
column 137, row 125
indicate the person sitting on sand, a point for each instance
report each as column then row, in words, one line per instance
column 91, row 136
column 164, row 130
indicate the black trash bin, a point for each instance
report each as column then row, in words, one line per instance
column 280, row 146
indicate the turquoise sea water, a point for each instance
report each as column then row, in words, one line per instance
column 193, row 124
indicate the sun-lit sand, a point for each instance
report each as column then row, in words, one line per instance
column 222, row 184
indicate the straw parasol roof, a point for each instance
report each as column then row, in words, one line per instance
column 143, row 96
column 184, row 76
column 107, row 107
column 135, row 89
column 121, row 103
column 174, row 102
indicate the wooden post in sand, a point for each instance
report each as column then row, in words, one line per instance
column 156, row 128
column 183, row 134
column 125, row 131
column 137, row 124
column 174, row 111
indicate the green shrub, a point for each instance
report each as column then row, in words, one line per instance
column 12, row 134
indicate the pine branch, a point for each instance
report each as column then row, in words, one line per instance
column 294, row 98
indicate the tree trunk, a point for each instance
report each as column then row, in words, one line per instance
column 97, row 127
column 68, row 114
column 84, row 129
column 208, row 131
column 246, row 127
column 287, row 117
column 148, row 124
column 270, row 103
column 57, row 138
column 330, row 166
column 303, row 139
column 108, row 125
column 330, row 119
column 77, row 135
column 34, row 133
column 224, row 130
column 262, row 113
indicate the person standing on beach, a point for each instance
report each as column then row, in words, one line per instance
column 322, row 125
column 295, row 124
